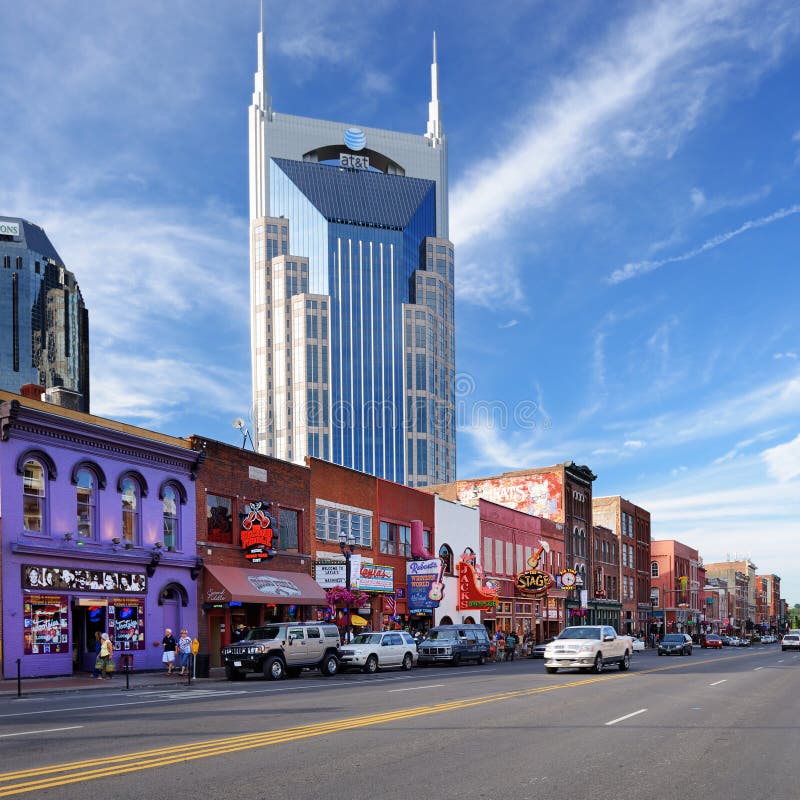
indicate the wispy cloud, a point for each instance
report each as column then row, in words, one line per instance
column 637, row 93
column 783, row 461
column 637, row 268
column 510, row 324
column 789, row 354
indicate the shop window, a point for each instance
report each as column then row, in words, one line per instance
column 88, row 479
column 170, row 518
column 131, row 494
column 34, row 497
column 219, row 519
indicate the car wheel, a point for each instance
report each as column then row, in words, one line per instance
column 625, row 664
column 372, row 665
column 690, row 652
column 408, row 662
column 481, row 660
column 551, row 670
column 274, row 668
column 597, row 667
column 329, row 665
column 457, row 660
column 233, row 674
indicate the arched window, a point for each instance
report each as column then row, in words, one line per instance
column 654, row 569
column 131, row 494
column 34, row 496
column 171, row 518
column 446, row 554
column 86, row 496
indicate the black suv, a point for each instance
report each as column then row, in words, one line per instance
column 454, row 644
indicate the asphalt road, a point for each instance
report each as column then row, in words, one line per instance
column 717, row 724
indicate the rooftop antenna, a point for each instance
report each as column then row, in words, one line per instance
column 239, row 425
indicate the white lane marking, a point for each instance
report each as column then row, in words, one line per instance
column 724, row 680
column 414, row 688
column 757, row 668
column 627, row 716
column 49, row 730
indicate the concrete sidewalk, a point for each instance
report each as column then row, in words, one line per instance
column 84, row 681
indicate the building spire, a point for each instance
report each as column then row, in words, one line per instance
column 435, row 130
column 261, row 96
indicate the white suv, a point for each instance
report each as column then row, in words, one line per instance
column 791, row 641
column 372, row 651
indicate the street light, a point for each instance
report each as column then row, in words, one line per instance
column 347, row 544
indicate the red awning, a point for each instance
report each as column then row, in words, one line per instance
column 223, row 584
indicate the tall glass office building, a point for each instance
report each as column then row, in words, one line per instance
column 352, row 312
column 44, row 324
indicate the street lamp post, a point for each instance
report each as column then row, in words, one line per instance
column 347, row 544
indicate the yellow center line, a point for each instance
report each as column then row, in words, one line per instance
column 92, row 769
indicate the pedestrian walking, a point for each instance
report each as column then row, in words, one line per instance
column 511, row 645
column 169, row 644
column 184, row 650
column 98, row 643
column 106, row 651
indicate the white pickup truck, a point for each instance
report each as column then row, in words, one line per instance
column 588, row 647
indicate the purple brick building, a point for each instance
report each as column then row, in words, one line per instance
column 98, row 529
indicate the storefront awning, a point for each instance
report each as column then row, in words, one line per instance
column 238, row 584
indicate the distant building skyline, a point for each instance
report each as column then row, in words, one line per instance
column 352, row 292
column 44, row 323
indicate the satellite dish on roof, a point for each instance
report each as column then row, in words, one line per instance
column 238, row 423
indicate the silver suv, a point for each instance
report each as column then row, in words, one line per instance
column 284, row 648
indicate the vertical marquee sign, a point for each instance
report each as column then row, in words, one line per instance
column 258, row 532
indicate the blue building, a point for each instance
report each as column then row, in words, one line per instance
column 44, row 324
column 352, row 293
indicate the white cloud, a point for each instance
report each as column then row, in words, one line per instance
column 510, row 324
column 698, row 198
column 783, row 461
column 634, row 444
column 636, row 93
column 634, row 269
column 790, row 355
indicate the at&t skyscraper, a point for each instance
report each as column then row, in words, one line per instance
column 351, row 280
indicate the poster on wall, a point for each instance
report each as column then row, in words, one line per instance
column 46, row 621
column 126, row 623
column 539, row 494
column 82, row 580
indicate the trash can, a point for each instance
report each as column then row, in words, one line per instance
column 201, row 665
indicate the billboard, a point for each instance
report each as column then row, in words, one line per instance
column 539, row 494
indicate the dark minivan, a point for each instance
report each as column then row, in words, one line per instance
column 453, row 644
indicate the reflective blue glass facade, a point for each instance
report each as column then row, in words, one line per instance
column 44, row 327
column 363, row 233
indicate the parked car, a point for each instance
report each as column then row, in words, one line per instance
column 734, row 641
column 283, row 649
column 791, row 641
column 373, row 651
column 454, row 644
column 744, row 641
column 768, row 638
column 537, row 651
column 675, row 643
column 638, row 644
column 712, row 642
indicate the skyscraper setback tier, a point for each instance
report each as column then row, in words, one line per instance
column 352, row 300
column 44, row 324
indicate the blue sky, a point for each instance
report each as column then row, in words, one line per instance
column 625, row 203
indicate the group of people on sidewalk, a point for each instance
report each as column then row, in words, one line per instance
column 174, row 650
column 508, row 644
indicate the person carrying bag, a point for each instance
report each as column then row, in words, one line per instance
column 106, row 662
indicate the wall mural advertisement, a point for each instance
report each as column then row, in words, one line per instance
column 540, row 495
column 46, row 621
column 82, row 580
column 126, row 623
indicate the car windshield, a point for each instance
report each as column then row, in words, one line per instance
column 447, row 636
column 580, row 633
column 367, row 638
column 674, row 637
column 269, row 632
